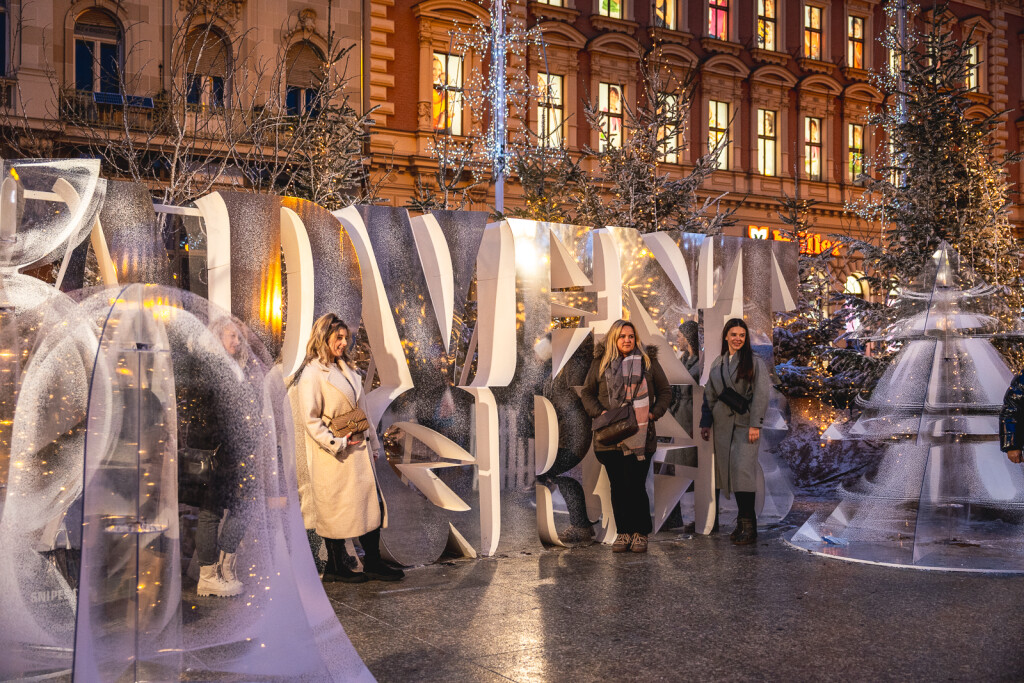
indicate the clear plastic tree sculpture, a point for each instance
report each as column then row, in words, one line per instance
column 98, row 390
column 46, row 353
column 944, row 496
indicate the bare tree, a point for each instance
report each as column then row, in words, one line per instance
column 224, row 118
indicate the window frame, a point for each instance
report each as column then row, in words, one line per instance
column 973, row 80
column 604, row 9
column 723, row 8
column 855, row 155
column 96, row 43
column 447, row 100
column 609, row 118
column 852, row 41
column 545, row 108
column 767, row 145
column 813, row 162
column 763, row 20
column 717, row 132
column 670, row 137
column 671, row 11
column 810, row 31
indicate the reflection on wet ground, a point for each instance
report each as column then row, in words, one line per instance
column 691, row 609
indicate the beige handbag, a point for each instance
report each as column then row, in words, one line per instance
column 352, row 421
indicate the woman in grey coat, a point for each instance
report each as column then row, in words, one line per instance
column 737, row 377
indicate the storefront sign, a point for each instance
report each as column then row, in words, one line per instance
column 810, row 243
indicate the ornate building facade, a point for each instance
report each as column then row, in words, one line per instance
column 787, row 82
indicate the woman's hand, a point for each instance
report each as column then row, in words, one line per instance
column 705, row 433
column 1014, row 456
column 754, row 434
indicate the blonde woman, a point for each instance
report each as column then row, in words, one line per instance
column 342, row 482
column 623, row 370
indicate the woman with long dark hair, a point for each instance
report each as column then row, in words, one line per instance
column 735, row 401
column 346, row 503
column 623, row 370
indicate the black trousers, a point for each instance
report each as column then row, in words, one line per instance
column 628, row 479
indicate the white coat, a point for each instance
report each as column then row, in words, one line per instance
column 342, row 480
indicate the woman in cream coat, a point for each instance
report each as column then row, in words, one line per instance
column 343, row 487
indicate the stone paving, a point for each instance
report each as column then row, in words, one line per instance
column 691, row 609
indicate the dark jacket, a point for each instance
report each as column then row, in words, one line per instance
column 1010, row 419
column 659, row 393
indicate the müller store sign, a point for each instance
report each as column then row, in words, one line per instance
column 810, row 243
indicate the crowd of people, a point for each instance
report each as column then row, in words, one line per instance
column 625, row 393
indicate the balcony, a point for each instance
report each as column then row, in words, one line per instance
column 107, row 110
column 156, row 115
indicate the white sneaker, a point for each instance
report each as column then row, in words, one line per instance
column 227, row 565
column 212, row 583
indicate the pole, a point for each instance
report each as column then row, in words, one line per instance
column 499, row 103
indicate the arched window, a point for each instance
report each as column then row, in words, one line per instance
column 304, row 76
column 207, row 67
column 98, row 52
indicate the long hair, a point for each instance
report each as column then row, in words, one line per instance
column 746, row 366
column 317, row 348
column 611, row 345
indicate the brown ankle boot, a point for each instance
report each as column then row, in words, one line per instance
column 622, row 543
column 747, row 532
column 639, row 543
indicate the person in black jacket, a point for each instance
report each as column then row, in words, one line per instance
column 621, row 371
column 1010, row 438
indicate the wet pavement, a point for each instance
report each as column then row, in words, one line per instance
column 692, row 608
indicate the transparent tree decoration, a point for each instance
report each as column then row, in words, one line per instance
column 46, row 354
column 945, row 496
column 166, row 379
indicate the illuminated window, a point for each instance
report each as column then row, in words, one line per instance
column 611, row 8
column 766, row 24
column 550, row 112
column 854, row 285
column 610, row 104
column 97, row 52
column 718, row 19
column 856, row 150
column 668, row 135
column 974, row 67
column 855, row 42
column 718, row 131
column 554, row 3
column 446, row 106
column 895, row 63
column 812, row 32
column 812, row 147
column 665, row 14
column 766, row 141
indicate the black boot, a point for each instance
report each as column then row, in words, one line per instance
column 745, row 503
column 373, row 566
column 336, row 569
column 747, row 529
